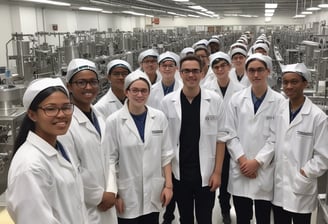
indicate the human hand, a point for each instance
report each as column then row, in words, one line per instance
column 108, row 200
column 166, row 195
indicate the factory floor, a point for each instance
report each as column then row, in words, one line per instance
column 5, row 219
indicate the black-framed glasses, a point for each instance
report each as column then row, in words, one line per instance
column 221, row 66
column 136, row 91
column 82, row 83
column 117, row 74
column 194, row 71
column 53, row 111
column 252, row 71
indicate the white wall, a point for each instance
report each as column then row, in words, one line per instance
column 6, row 30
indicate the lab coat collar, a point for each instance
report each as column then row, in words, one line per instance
column 305, row 110
column 47, row 149
column 82, row 119
column 268, row 99
column 127, row 118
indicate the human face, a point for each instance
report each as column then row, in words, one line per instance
column 293, row 85
column 83, row 97
column 261, row 51
column 149, row 65
column 117, row 77
column 49, row 127
column 221, row 69
column 203, row 55
column 191, row 74
column 137, row 93
column 257, row 73
column 214, row 47
column 238, row 60
column 167, row 69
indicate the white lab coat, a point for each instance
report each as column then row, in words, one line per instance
column 108, row 104
column 85, row 144
column 157, row 94
column 254, row 138
column 208, row 77
column 43, row 187
column 212, row 129
column 231, row 89
column 139, row 165
column 301, row 144
column 244, row 80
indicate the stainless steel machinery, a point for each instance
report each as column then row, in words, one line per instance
column 11, row 116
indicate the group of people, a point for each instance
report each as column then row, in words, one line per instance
column 170, row 133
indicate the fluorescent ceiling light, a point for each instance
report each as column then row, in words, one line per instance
column 249, row 16
column 268, row 14
column 193, row 16
column 323, row 5
column 133, row 13
column 180, row 0
column 108, row 12
column 313, row 9
column 90, row 9
column 306, row 13
column 171, row 13
column 196, row 7
column 231, row 15
column 271, row 5
column 49, row 2
column 210, row 12
column 269, row 10
column 151, row 16
column 298, row 16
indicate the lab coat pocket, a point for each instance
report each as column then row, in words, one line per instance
column 210, row 125
column 304, row 185
column 265, row 178
column 127, row 191
column 156, row 191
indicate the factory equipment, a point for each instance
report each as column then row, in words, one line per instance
column 22, row 54
column 11, row 116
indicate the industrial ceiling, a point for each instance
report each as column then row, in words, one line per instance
column 215, row 8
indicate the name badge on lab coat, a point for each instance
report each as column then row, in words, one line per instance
column 211, row 117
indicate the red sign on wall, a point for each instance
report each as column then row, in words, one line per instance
column 155, row 20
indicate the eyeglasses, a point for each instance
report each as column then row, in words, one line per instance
column 188, row 71
column 136, row 91
column 82, row 83
column 221, row 66
column 149, row 61
column 167, row 66
column 238, row 57
column 252, row 71
column 53, row 111
column 117, row 74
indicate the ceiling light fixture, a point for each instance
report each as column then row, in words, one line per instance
column 190, row 15
column 180, row 0
column 324, row 5
column 271, row 5
column 297, row 16
column 133, row 13
column 49, row 2
column 306, row 12
column 107, row 12
column 90, row 9
column 312, row 8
